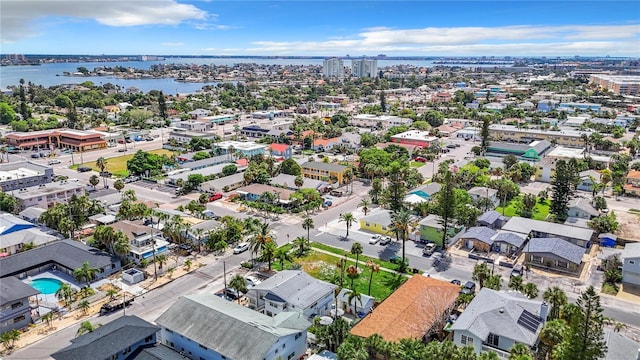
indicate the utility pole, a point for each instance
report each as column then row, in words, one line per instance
column 224, row 274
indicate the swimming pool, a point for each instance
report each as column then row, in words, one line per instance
column 46, row 285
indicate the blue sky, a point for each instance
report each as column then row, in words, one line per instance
column 326, row 28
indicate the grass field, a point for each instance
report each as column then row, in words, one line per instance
column 417, row 164
column 540, row 211
column 118, row 165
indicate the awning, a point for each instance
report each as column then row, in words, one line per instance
column 4, row 254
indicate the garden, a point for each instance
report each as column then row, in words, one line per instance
column 118, row 165
column 517, row 207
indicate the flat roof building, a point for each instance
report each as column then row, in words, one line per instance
column 617, row 84
column 414, row 137
column 23, row 174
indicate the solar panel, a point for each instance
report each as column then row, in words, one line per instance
column 529, row 321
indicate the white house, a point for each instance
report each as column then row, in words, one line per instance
column 204, row 326
column 581, row 208
column 355, row 306
column 631, row 264
column 496, row 320
column 292, row 290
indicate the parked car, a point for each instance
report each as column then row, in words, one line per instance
column 336, row 193
column 451, row 146
column 374, row 239
column 54, row 161
column 252, row 281
column 148, row 138
column 240, row 248
column 215, row 196
column 385, row 240
column 420, row 159
column 395, row 259
column 84, row 169
column 468, row 288
column 122, row 150
column 35, row 156
column 517, row 270
column 327, row 203
column 105, row 174
column 456, row 282
column 429, row 249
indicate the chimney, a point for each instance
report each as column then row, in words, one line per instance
column 544, row 310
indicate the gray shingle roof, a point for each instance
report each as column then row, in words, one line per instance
column 556, row 246
column 514, row 239
column 319, row 165
column 12, row 289
column 429, row 189
column 525, row 226
column 230, row 329
column 620, row 347
column 631, row 250
column 68, row 253
column 296, row 287
column 107, row 340
column 378, row 216
column 489, row 217
column 157, row 352
column 584, row 205
column 481, row 233
column 497, row 312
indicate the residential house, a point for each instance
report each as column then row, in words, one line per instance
column 507, row 242
column 119, row 339
column 581, row 208
column 205, row 326
column 289, row 182
column 15, row 242
column 377, row 221
column 491, row 219
column 631, row 264
column 292, row 290
column 431, row 230
column 496, row 321
column 479, row 238
column 588, row 180
column 620, row 347
column 223, row 184
column 18, row 175
column 144, row 242
column 478, row 192
column 330, row 172
column 15, row 311
column 426, row 191
column 245, row 149
column 632, row 185
column 62, row 255
column 280, row 151
column 199, row 113
column 361, row 306
column 540, row 229
column 325, row 144
column 418, row 309
column 255, row 192
column 32, row 214
column 555, row 254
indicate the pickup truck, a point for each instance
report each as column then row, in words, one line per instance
column 114, row 305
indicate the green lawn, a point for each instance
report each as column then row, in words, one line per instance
column 540, row 211
column 340, row 252
column 417, row 164
column 323, row 266
column 118, row 165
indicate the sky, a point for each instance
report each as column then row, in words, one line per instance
column 321, row 28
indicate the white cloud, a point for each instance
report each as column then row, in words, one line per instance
column 172, row 44
column 18, row 15
column 618, row 40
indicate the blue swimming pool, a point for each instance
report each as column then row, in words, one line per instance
column 46, row 285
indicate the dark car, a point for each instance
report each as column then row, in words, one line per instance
column 468, row 288
column 84, row 169
column 517, row 270
column 105, row 174
column 35, row 156
column 456, row 282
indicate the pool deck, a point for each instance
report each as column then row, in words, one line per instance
column 50, row 300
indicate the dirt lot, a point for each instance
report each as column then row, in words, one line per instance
column 629, row 226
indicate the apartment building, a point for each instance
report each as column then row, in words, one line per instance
column 23, row 174
column 324, row 171
column 563, row 137
column 47, row 195
column 364, row 68
column 617, row 84
column 333, row 67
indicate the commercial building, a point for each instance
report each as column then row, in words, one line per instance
column 23, row 174
column 378, row 121
column 184, row 136
column 75, row 140
column 205, row 326
column 47, row 195
column 364, row 68
column 414, row 137
column 333, row 67
column 531, row 151
column 237, row 148
column 565, row 137
column 617, row 84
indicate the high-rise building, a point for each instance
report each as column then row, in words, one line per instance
column 364, row 68
column 333, row 67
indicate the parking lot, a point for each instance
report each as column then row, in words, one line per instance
column 154, row 186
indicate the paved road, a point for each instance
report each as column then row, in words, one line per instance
column 150, row 306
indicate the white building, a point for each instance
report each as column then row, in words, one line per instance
column 364, row 68
column 47, row 195
column 23, row 174
column 382, row 121
column 205, row 326
column 247, row 148
column 333, row 67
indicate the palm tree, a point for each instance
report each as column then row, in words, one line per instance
column 307, row 224
column 9, row 338
column 161, row 260
column 481, row 272
column 94, row 180
column 354, row 295
column 84, row 306
column 3, row 151
column 520, row 351
column 87, row 327
column 282, row 255
column 400, row 224
column 85, row 272
column 118, row 185
column 111, row 293
column 374, row 268
column 515, row 283
column 263, row 234
column 299, row 181
column 364, row 204
column 47, row 318
column 269, row 252
column 352, row 273
column 530, row 290
column 551, row 335
column 65, row 293
column 348, row 219
column 187, row 265
column 199, row 232
column 300, row 242
column 101, row 163
column 239, row 284
column 356, row 249
column 557, row 299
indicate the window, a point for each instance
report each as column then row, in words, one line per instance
column 631, row 262
column 466, row 340
column 148, row 338
column 291, row 356
column 16, row 305
column 493, row 340
column 18, row 319
column 536, row 259
column 562, row 264
column 298, row 336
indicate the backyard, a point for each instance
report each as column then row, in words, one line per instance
column 540, row 211
column 324, row 266
column 118, row 165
